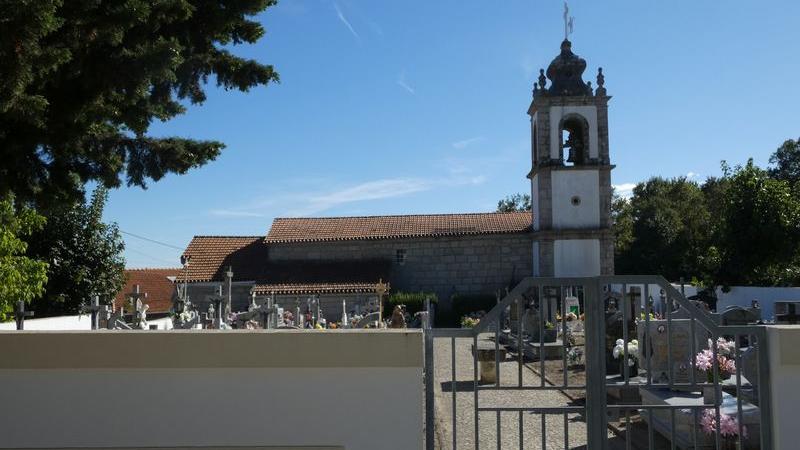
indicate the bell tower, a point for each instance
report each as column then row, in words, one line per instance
column 571, row 172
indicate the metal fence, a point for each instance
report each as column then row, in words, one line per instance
column 521, row 387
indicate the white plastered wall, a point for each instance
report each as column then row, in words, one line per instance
column 358, row 390
column 581, row 183
column 577, row 258
column 587, row 112
column 784, row 374
column 357, row 408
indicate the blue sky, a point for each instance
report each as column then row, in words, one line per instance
column 420, row 107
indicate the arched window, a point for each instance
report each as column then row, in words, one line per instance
column 574, row 140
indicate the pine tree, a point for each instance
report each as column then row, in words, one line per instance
column 82, row 80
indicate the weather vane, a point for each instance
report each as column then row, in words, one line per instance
column 569, row 22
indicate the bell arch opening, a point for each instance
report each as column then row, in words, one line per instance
column 574, row 134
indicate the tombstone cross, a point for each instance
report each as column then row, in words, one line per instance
column 20, row 314
column 791, row 315
column 94, row 310
column 215, row 309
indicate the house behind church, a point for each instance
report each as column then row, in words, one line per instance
column 343, row 258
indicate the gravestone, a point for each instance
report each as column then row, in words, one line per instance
column 749, row 360
column 615, row 327
column 681, row 349
column 738, row 315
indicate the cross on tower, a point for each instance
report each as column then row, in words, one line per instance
column 569, row 22
column 20, row 314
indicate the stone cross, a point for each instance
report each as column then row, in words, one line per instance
column 94, row 310
column 20, row 314
column 229, row 293
column 270, row 313
column 134, row 298
column 215, row 309
column 790, row 317
column 139, row 308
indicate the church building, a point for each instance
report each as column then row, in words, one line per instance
column 567, row 233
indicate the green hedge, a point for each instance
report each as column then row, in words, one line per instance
column 414, row 302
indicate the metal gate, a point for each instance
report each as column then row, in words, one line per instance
column 515, row 380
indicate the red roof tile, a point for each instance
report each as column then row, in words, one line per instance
column 285, row 230
column 210, row 256
column 155, row 283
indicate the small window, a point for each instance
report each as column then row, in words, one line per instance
column 400, row 256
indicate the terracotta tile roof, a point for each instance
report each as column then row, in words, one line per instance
column 155, row 283
column 210, row 256
column 285, row 230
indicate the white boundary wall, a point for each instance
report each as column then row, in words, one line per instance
column 72, row 323
column 358, row 390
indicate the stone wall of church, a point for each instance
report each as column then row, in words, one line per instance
column 444, row 265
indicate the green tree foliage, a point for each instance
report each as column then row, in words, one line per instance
column 787, row 162
column 81, row 81
column 21, row 277
column 516, row 202
column 85, row 256
column 757, row 240
column 669, row 227
column 622, row 225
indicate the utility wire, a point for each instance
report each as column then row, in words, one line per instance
column 128, row 249
column 151, row 240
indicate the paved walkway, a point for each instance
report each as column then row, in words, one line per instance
column 509, row 421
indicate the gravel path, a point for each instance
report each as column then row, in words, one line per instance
column 509, row 421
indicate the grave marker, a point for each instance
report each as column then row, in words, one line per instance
column 20, row 315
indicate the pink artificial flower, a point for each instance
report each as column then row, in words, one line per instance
column 708, row 421
column 703, row 360
column 729, row 424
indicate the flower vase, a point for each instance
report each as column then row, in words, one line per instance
column 633, row 370
column 710, row 396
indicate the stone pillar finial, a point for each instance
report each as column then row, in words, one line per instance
column 601, row 81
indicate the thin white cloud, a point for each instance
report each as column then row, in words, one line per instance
column 346, row 22
column 624, row 190
column 370, row 190
column 691, row 175
column 234, row 213
column 401, row 81
column 458, row 145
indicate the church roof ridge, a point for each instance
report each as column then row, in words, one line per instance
column 321, row 229
column 402, row 215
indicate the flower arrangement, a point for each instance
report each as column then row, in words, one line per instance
column 651, row 315
column 569, row 317
column 633, row 351
column 471, row 320
column 704, row 360
column 728, row 424
column 574, row 355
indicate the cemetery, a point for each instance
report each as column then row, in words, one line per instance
column 502, row 330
